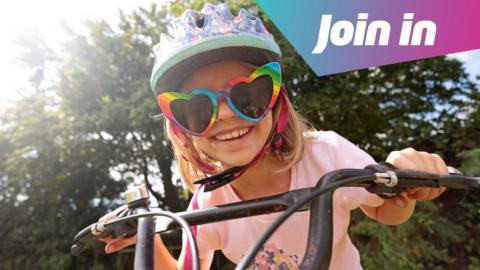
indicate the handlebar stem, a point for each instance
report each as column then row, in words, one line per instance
column 144, row 247
column 320, row 238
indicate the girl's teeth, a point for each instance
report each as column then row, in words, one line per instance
column 232, row 135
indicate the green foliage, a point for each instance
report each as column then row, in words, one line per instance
column 72, row 146
column 50, row 180
column 470, row 160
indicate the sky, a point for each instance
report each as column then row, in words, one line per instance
column 46, row 17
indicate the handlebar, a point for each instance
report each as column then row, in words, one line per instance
column 376, row 179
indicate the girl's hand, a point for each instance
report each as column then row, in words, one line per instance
column 421, row 161
column 114, row 245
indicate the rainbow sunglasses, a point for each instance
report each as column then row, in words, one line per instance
column 250, row 98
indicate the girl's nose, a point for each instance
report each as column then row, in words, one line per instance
column 224, row 111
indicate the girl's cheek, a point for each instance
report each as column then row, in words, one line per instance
column 204, row 145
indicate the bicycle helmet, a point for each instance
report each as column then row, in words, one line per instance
column 200, row 38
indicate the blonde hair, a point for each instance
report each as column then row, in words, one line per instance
column 191, row 161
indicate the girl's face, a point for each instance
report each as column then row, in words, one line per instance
column 233, row 141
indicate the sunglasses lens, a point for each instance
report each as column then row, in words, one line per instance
column 252, row 99
column 194, row 114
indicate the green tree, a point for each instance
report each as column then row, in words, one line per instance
column 52, row 184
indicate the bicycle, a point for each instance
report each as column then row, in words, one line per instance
column 380, row 179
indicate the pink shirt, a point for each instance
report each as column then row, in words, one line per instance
column 326, row 151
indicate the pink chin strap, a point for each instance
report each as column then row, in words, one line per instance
column 225, row 177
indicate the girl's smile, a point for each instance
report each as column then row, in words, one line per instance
column 232, row 135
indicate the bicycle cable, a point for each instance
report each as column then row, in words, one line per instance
column 178, row 219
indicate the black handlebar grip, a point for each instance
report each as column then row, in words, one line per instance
column 453, row 197
column 123, row 230
column 449, row 197
column 99, row 246
column 120, row 230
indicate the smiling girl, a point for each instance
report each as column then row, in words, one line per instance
column 236, row 136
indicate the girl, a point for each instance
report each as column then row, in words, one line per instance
column 218, row 82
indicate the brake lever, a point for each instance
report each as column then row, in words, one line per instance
column 90, row 235
column 387, row 178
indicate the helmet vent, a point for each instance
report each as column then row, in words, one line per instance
column 200, row 21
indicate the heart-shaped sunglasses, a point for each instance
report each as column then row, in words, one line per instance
column 250, row 98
